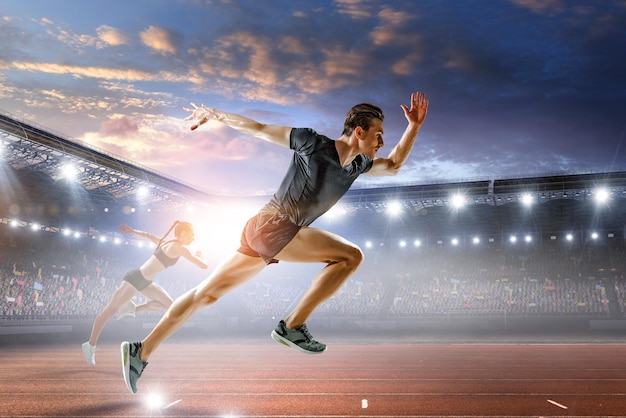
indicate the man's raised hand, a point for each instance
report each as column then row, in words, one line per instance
column 199, row 114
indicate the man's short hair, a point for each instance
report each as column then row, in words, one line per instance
column 361, row 115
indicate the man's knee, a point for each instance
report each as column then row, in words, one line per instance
column 354, row 256
column 204, row 298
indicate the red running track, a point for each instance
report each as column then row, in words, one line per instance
column 269, row 380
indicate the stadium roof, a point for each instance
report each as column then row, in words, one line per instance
column 494, row 192
column 29, row 148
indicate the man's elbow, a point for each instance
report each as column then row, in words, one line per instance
column 393, row 168
column 385, row 167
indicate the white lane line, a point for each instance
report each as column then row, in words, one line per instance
column 557, row 404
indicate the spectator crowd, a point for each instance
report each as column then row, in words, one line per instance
column 59, row 279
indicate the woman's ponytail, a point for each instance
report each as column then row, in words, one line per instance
column 168, row 232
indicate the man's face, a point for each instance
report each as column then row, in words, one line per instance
column 371, row 141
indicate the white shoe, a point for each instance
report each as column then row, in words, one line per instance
column 89, row 352
column 128, row 308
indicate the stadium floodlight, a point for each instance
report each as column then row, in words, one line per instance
column 69, row 171
column 67, row 232
column 455, row 241
column 594, row 235
column 513, row 239
column 476, row 240
column 457, row 200
column 142, row 191
column 394, row 208
column 14, row 223
column 527, row 199
column 35, row 226
column 102, row 238
column 417, row 243
column 569, row 237
column 336, row 212
column 528, row 238
column 402, row 243
column 601, row 195
column 368, row 244
column 76, row 234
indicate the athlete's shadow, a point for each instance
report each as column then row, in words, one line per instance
column 133, row 408
column 106, row 408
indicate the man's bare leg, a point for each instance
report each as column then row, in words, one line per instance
column 315, row 245
column 342, row 258
column 229, row 274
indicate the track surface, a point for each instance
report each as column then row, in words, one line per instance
column 265, row 379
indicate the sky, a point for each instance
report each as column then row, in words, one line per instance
column 517, row 88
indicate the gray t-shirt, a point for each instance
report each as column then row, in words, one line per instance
column 315, row 180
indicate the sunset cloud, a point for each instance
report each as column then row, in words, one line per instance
column 356, row 9
column 111, row 36
column 159, row 39
column 106, row 73
column 540, row 6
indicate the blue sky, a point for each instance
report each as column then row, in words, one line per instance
column 516, row 87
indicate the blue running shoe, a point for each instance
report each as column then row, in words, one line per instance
column 299, row 338
column 132, row 365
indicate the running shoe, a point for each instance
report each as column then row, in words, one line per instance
column 89, row 352
column 132, row 365
column 299, row 338
column 128, row 308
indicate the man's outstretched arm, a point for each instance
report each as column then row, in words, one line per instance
column 278, row 135
column 415, row 116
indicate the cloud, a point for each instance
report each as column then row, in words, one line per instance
column 406, row 65
column 356, row 9
column 293, row 45
column 167, row 145
column 127, row 95
column 64, row 102
column 393, row 29
column 6, row 90
column 540, row 6
column 55, row 94
column 86, row 99
column 341, row 62
column 458, row 58
column 76, row 41
column 395, row 33
column 159, row 39
column 111, row 36
column 128, row 88
column 120, row 125
column 136, row 139
column 282, row 71
column 262, row 69
column 107, row 73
